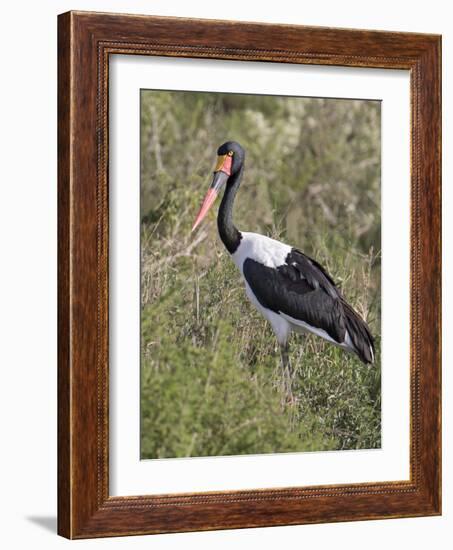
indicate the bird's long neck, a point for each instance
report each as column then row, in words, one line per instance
column 230, row 235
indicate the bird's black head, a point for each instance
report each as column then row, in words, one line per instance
column 230, row 150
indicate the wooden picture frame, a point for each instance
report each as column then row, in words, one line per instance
column 85, row 42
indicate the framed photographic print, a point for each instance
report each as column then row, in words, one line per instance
column 249, row 275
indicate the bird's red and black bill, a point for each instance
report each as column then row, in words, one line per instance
column 222, row 172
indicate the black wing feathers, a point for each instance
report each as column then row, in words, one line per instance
column 313, row 272
column 302, row 289
column 285, row 290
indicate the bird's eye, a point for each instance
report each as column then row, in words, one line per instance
column 230, row 153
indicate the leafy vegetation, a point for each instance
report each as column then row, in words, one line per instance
column 212, row 381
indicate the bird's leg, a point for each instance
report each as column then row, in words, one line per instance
column 287, row 372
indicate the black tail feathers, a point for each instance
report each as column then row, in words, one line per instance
column 360, row 335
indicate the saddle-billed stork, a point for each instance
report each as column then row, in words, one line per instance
column 291, row 290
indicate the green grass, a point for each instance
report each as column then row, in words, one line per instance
column 212, row 379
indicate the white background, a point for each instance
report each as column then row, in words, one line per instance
column 131, row 476
column 28, row 275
